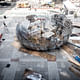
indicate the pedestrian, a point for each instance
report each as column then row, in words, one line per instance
column 1, row 37
column 5, row 17
column 1, row 34
column 5, row 26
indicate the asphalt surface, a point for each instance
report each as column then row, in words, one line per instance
column 5, row 8
column 58, row 70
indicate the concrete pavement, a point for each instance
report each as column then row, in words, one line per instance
column 58, row 70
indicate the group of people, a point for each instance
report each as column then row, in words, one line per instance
column 3, row 29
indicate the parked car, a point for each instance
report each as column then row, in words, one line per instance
column 5, row 3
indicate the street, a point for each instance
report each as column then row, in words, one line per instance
column 57, row 70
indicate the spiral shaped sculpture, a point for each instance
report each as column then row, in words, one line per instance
column 44, row 33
